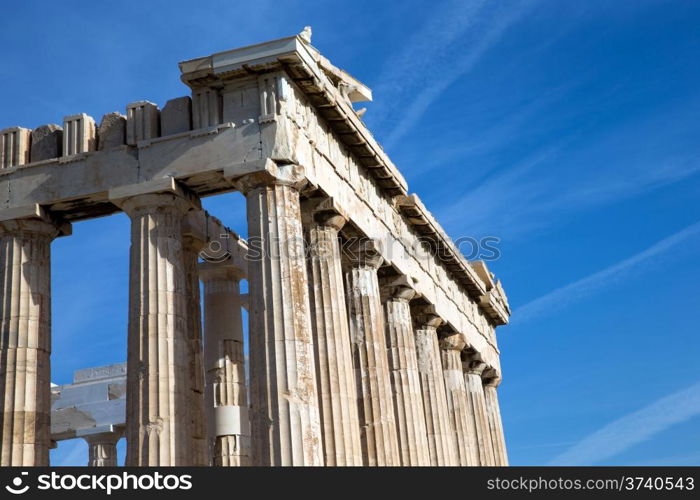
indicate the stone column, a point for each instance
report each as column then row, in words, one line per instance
column 367, row 332
column 25, row 341
column 335, row 374
column 405, row 380
column 191, row 248
column 103, row 449
column 225, row 389
column 478, row 420
column 159, row 426
column 441, row 435
column 493, row 414
column 451, row 346
column 285, row 424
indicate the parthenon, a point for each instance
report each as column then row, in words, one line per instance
column 371, row 339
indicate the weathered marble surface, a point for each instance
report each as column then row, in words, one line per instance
column 285, row 421
column 405, row 377
column 335, row 376
column 441, row 433
column 380, row 444
column 159, row 400
column 25, row 341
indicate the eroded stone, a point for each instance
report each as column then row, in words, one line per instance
column 112, row 131
column 176, row 116
column 47, row 142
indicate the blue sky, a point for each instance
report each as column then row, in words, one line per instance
column 567, row 129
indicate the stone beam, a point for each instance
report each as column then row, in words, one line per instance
column 93, row 403
column 77, row 187
column 222, row 245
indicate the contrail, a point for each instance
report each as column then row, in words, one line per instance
column 585, row 286
column 634, row 428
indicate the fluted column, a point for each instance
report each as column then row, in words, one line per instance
column 441, row 439
column 102, row 449
column 283, row 395
column 451, row 345
column 225, row 389
column 405, row 380
column 25, row 341
column 367, row 332
column 493, row 414
column 191, row 248
column 473, row 369
column 159, row 426
column 334, row 369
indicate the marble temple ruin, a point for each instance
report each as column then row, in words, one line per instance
column 371, row 337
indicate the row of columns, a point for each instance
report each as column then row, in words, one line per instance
column 342, row 371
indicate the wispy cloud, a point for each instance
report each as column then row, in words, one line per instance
column 506, row 203
column 483, row 143
column 448, row 46
column 577, row 290
column 573, row 173
column 625, row 432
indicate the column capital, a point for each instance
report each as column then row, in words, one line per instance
column 397, row 287
column 402, row 292
column 268, row 174
column 146, row 196
column 362, row 252
column 472, row 363
column 194, row 230
column 29, row 226
column 210, row 271
column 144, row 203
column 109, row 437
column 323, row 212
column 33, row 219
column 426, row 318
column 103, row 448
column 452, row 342
column 491, row 377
